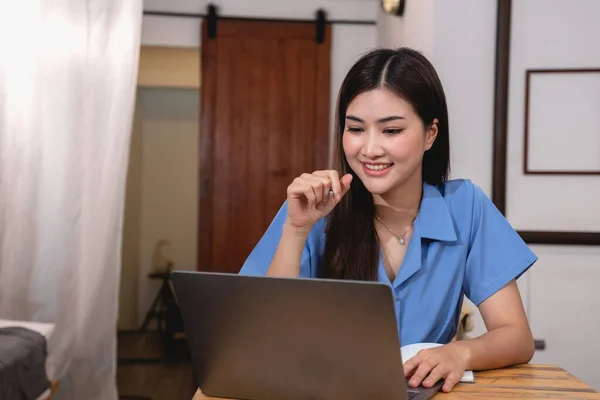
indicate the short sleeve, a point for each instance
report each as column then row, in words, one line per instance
column 261, row 256
column 496, row 255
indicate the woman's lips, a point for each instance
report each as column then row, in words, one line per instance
column 376, row 169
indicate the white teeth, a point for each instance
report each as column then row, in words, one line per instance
column 377, row 167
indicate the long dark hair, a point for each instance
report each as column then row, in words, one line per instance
column 352, row 248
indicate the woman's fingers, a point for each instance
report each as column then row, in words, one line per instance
column 334, row 180
column 316, row 187
column 339, row 186
column 300, row 188
column 422, row 366
column 429, row 366
column 451, row 380
column 345, row 183
column 320, row 186
column 435, row 375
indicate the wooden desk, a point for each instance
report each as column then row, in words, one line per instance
column 521, row 382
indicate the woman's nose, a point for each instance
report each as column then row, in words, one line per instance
column 371, row 146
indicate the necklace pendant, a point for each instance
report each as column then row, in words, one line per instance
column 401, row 240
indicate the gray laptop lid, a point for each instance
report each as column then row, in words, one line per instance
column 276, row 338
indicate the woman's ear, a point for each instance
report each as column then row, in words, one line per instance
column 431, row 134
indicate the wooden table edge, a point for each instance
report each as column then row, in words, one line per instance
column 587, row 391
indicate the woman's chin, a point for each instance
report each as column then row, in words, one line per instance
column 378, row 185
column 376, row 188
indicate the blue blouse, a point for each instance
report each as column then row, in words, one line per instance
column 461, row 245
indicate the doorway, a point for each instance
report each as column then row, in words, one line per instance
column 160, row 228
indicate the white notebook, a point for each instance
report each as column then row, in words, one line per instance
column 410, row 350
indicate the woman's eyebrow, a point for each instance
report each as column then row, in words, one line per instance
column 353, row 118
column 380, row 120
column 390, row 118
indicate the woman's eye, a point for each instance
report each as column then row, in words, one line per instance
column 392, row 131
column 354, row 130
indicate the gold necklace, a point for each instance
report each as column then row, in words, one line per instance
column 400, row 239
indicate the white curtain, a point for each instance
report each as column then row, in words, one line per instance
column 68, row 71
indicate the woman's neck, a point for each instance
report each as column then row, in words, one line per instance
column 399, row 207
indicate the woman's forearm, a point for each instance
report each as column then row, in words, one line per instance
column 502, row 347
column 286, row 261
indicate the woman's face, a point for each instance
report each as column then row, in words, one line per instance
column 384, row 140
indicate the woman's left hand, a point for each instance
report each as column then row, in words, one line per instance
column 428, row 366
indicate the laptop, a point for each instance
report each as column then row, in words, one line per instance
column 259, row 338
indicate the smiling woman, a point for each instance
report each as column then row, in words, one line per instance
column 392, row 135
column 394, row 217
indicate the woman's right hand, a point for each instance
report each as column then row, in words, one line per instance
column 309, row 200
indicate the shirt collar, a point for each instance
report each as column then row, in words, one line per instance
column 434, row 219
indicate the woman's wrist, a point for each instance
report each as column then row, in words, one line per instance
column 464, row 351
column 296, row 231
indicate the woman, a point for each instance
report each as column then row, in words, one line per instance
column 393, row 216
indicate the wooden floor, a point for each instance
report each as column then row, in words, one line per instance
column 155, row 381
column 150, row 378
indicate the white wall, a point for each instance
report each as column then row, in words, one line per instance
column 565, row 308
column 306, row 9
column 171, row 31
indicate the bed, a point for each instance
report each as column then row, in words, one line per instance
column 45, row 330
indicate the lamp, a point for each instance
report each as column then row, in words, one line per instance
column 393, row 7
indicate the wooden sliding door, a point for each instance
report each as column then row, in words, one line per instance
column 264, row 121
